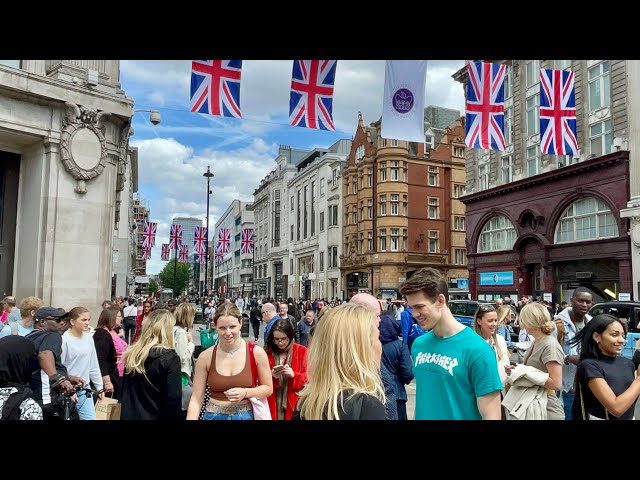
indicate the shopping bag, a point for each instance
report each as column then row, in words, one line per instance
column 108, row 409
column 260, row 408
column 208, row 338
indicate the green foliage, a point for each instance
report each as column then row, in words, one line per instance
column 182, row 275
column 153, row 287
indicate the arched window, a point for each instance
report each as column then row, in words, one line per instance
column 497, row 234
column 586, row 219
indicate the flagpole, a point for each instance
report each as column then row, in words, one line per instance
column 175, row 266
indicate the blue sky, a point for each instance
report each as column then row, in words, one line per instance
column 174, row 154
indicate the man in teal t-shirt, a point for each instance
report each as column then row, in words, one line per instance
column 455, row 369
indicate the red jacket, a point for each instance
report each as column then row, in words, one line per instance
column 299, row 367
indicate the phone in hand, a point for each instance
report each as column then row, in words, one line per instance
column 278, row 368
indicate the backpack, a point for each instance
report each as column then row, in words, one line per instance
column 414, row 332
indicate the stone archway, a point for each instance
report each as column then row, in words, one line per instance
column 531, row 278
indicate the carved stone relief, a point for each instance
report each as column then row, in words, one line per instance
column 83, row 148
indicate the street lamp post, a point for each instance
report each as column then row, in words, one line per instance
column 208, row 174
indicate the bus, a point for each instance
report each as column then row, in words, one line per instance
column 166, row 294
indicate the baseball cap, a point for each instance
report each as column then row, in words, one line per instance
column 50, row 312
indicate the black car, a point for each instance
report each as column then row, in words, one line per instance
column 465, row 310
column 630, row 311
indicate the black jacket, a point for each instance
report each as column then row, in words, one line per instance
column 159, row 397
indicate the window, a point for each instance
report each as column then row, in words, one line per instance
column 533, row 112
column 354, row 185
column 292, row 233
column 404, row 205
column 333, row 215
column 354, row 215
column 405, row 237
column 292, row 203
column 433, row 208
column 383, row 172
column 322, row 221
column 483, row 176
column 433, row 176
column 394, row 204
column 599, row 86
column 600, row 138
column 298, row 217
column 359, row 152
column 458, row 152
column 433, row 241
column 383, row 204
column 321, row 262
column 458, row 223
column 429, row 143
column 369, row 180
column 383, row 239
column 459, row 256
column 321, row 188
column 394, row 239
column 533, row 72
column 497, row 234
column 507, row 170
column 562, row 64
column 586, row 219
column 313, row 208
column 370, row 209
column 458, row 190
column 10, row 63
column 533, row 160
column 305, row 211
column 333, row 257
column 361, row 243
column 361, row 210
column 334, row 177
column 507, row 83
column 370, row 238
column 394, row 174
column 508, row 125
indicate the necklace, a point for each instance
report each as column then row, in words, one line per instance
column 232, row 351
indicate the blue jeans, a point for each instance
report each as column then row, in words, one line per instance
column 567, row 399
column 243, row 415
column 85, row 406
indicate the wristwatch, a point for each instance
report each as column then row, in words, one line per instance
column 566, row 359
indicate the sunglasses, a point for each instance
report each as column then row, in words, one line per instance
column 486, row 308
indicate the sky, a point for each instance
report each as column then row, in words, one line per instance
column 173, row 155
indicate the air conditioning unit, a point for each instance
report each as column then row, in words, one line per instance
column 584, row 275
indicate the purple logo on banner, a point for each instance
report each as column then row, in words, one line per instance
column 403, row 101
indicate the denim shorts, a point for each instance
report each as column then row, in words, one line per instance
column 242, row 415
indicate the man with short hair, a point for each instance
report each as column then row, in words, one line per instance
column 51, row 382
column 456, row 371
column 14, row 312
column 24, row 326
column 269, row 316
column 283, row 311
column 304, row 327
column 172, row 304
column 569, row 322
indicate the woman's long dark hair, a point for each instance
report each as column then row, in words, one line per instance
column 584, row 338
column 282, row 326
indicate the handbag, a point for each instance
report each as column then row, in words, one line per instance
column 584, row 415
column 208, row 338
column 108, row 409
column 260, row 406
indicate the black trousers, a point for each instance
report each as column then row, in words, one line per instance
column 129, row 324
column 402, row 409
column 256, row 327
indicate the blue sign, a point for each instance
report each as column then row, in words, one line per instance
column 496, row 278
column 463, row 283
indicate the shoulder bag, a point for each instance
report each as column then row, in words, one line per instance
column 260, row 405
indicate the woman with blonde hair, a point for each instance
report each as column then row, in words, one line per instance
column 485, row 324
column 151, row 387
column 504, row 318
column 544, row 356
column 230, row 373
column 344, row 368
column 184, row 346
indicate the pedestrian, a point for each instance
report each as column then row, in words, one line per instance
column 151, row 387
column 224, row 379
column 472, row 391
column 608, row 384
column 255, row 318
column 18, row 360
column 344, row 368
column 485, row 324
column 184, row 346
column 129, row 321
column 110, row 348
column 305, row 325
column 288, row 362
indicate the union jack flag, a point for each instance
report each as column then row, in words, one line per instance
column 183, row 254
column 224, row 240
column 202, row 258
column 311, row 99
column 218, row 256
column 175, row 237
column 215, row 87
column 149, row 234
column 165, row 252
column 485, row 106
column 200, row 239
column 247, row 241
column 557, row 113
column 146, row 253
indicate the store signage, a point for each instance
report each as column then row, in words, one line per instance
column 496, row 278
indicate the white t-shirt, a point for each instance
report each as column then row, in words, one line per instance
column 80, row 358
column 130, row 311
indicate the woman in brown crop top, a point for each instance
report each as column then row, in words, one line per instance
column 223, row 379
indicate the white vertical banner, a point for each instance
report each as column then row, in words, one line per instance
column 403, row 104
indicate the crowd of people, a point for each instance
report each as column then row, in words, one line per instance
column 318, row 360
